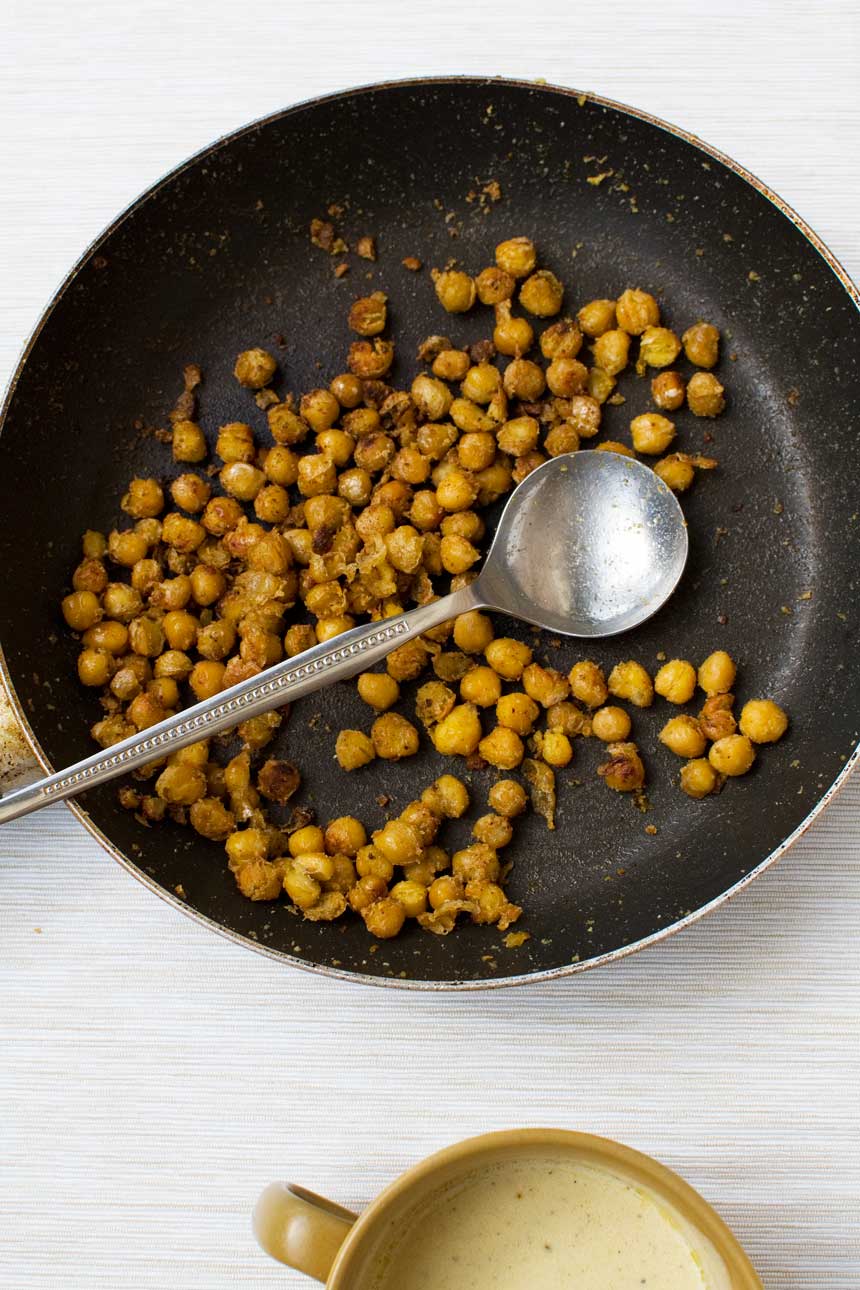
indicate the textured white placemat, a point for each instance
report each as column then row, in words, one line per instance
column 153, row 1076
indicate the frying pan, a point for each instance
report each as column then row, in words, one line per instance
column 217, row 258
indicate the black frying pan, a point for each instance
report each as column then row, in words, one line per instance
column 217, row 257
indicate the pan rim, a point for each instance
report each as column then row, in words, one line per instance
column 238, row 938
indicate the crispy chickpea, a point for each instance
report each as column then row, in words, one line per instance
column 431, row 397
column 705, row 395
column 119, row 601
column 716, row 718
column 457, row 491
column 188, row 442
column 379, row 690
column 384, row 918
column 519, row 436
column 328, row 628
column 368, row 316
column 658, row 347
column 508, row 798
column 588, row 683
column 733, row 755
column 91, row 575
column 556, row 748
column 180, row 629
column 717, row 673
column 370, row 359
column 494, row 285
column 190, row 492
column 206, row 679
column 676, row 681
column 405, row 548
column 355, row 486
column 508, row 657
column 126, row 547
column 451, row 364
column 215, row 641
column 480, row 383
column 512, row 336
column 286, row 426
column 698, row 778
column 545, row 685
column 398, row 843
column 523, row 466
column 423, row 820
column 367, row 890
column 624, row 772
column 458, row 554
column 763, row 721
column 561, row 439
column 675, row 472
column 336, row 444
column 596, row 317
column 611, row 350
column 611, row 724
column 408, row 661
column 702, row 344
column 683, row 736
column 668, row 390
column 317, row 474
column 516, row 256
column 444, row 890
column 95, row 667
column 459, row 732
column 600, row 384
column 254, row 368
column 221, row 516
column 636, row 310
column 481, row 686
column 584, row 415
column 146, row 637
column 562, row 340
column 235, row 442
column 347, row 389
column 373, row 453
column 433, row 702
column 143, row 498
column 299, row 637
column 93, row 545
column 306, row 840
column 320, row 409
column 393, row 737
column 303, row 890
column 518, row 712
column 476, row 863
column 81, row 610
column 144, row 711
column 455, row 290
column 411, row 895
column 173, row 663
column 476, row 450
column 245, row 847
column 524, row 380
column 107, row 635
column 541, row 294
column 566, row 377
column 181, row 785
column 630, row 681
column 494, row 481
column 473, row 632
column 568, row 718
column 447, row 796
column 186, row 534
column 502, row 748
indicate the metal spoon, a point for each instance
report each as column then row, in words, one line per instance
column 589, row 545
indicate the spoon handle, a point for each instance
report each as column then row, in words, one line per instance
column 335, row 660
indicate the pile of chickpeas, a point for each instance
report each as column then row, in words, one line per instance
column 355, row 502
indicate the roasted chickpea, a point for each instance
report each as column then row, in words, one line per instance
column 188, row 442
column 447, row 796
column 512, row 336
column 185, row 534
column 502, row 748
column 541, row 294
column 221, row 516
column 523, row 466
column 190, row 492
column 630, row 681
column 636, row 310
column 458, row 554
column 370, row 359
column 398, row 843
column 473, row 632
column 181, row 785
column 518, row 712
column 702, row 344
column 561, row 439
column 457, row 491
column 431, row 397
column 624, row 772
column 476, row 450
column 566, row 377
column 451, row 364
column 588, row 683
column 407, row 661
column 675, row 472
column 459, row 732
column 423, row 820
column 597, row 317
column 716, row 718
column 368, row 315
column 524, row 380
column 317, row 474
column 411, row 895
column 585, row 415
column 569, row 719
column 763, row 721
column 146, row 637
column 676, row 681
column 508, row 798
column 286, row 426
column 455, row 290
column 206, row 679
column 480, row 383
column 91, row 575
column 611, row 724
column 519, row 436
column 235, row 442
column 545, row 685
column 668, row 390
column 717, row 673
column 493, row 482
column 494, row 285
column 611, row 350
column 683, row 736
column 81, row 610
column 556, row 749
column 516, row 256
column 508, row 657
column 119, row 601
column 600, row 384
column 320, row 409
column 733, row 755
column 95, row 667
column 658, row 347
column 652, row 433
column 254, row 368
column 698, row 778
column 347, row 389
column 107, row 635
column 144, row 497
column 481, row 686
column 127, row 547
column 336, row 444
column 299, row 637
column 145, row 711
column 373, row 453
column 393, row 737
column 705, row 395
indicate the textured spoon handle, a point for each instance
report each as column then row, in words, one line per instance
column 347, row 654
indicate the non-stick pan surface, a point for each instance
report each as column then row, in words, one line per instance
column 217, row 258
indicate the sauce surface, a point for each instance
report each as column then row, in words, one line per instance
column 547, row 1224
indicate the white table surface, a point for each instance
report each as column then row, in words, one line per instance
column 153, row 1076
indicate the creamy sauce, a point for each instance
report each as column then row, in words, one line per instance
column 545, row 1224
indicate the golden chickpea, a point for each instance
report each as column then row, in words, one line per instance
column 652, row 433
column 405, row 547
column 717, row 673
column 569, row 719
column 545, row 685
column 624, row 772
column 556, row 749
column 705, row 395
column 423, row 820
column 320, row 409
column 144, row 497
column 519, row 436
column 508, row 657
column 303, row 890
column 636, row 310
column 370, row 359
column 433, row 702
column 494, row 285
column 431, row 397
column 630, row 681
column 481, row 686
column 763, row 721
column 668, row 390
column 91, row 575
column 373, row 453
column 597, row 317
column 451, row 364
column 127, row 547
column 702, row 344
column 366, row 891
column 81, row 610
column 611, row 724
column 508, row 798
column 470, row 417
column 93, row 545
column 347, row 389
column 336, row 444
column 368, row 315
column 190, row 492
column 493, row 482
column 458, row 554
column 502, row 748
column 561, row 439
column 107, row 635
column 524, row 380
column 398, row 843
column 600, row 384
column 221, row 516
column 145, row 711
column 541, row 294
column 447, row 796
column 308, row 839
column 467, row 524
column 476, row 863
column 384, row 918
column 459, row 732
column 327, row 628
column 473, row 632
column 676, row 681
column 733, row 755
column 180, row 629
column 181, row 785
column 457, row 491
column 411, row 895
column 355, row 487
column 245, row 847
column 215, row 641
column 173, row 663
column 584, row 415
column 206, row 679
column 317, row 474
column 611, row 350
column 146, row 637
column 378, row 690
column 675, row 472
column 476, row 450
column 393, row 737
column 186, row 534
column 455, row 291
column 407, row 661
column 563, row 339
column 481, row 382
column 211, row 819
column 299, row 637
column 698, row 778
column 512, row 336
column 444, row 890
column 188, row 442
column 683, row 736
column 235, row 442
column 716, row 717
column 95, row 667
column 658, row 347
column 254, row 368
column 588, row 683
column 523, row 466
column 120, row 602
column 286, row 426
column 566, row 377
column 517, row 712
column 516, row 256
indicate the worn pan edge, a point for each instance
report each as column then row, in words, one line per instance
column 80, row 813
